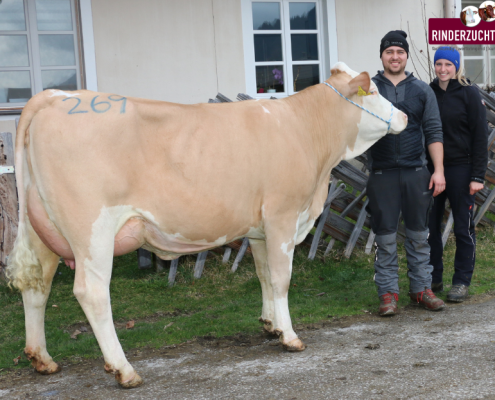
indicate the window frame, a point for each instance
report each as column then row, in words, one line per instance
column 487, row 55
column 35, row 67
column 326, row 42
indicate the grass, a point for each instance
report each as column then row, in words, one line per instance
column 218, row 304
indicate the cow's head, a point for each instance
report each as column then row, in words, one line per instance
column 363, row 91
column 490, row 11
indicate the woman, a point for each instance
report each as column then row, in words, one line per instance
column 465, row 136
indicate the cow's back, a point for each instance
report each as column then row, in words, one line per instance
column 203, row 171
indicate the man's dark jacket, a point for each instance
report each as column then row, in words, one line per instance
column 464, row 127
column 407, row 149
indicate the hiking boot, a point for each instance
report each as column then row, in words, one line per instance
column 458, row 293
column 388, row 304
column 428, row 300
column 437, row 287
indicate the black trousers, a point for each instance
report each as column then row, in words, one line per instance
column 393, row 191
column 458, row 178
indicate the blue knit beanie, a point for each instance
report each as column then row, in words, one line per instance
column 450, row 54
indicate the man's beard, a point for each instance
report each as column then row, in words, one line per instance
column 399, row 72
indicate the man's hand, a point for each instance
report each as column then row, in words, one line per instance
column 475, row 187
column 438, row 180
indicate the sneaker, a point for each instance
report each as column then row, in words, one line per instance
column 388, row 304
column 458, row 293
column 437, row 287
column 428, row 300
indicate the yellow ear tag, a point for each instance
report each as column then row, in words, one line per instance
column 361, row 92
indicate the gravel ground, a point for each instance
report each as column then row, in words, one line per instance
column 415, row 355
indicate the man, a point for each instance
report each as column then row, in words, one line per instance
column 400, row 182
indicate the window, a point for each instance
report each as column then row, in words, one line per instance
column 479, row 61
column 38, row 48
column 283, row 46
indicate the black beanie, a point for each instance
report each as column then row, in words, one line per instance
column 394, row 38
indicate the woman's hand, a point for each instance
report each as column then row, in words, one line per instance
column 475, row 187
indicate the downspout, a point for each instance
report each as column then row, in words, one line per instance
column 449, row 9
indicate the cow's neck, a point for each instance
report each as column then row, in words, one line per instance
column 329, row 125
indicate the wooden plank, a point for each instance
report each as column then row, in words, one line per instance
column 351, row 175
column 159, row 264
column 341, row 229
column 331, row 197
column 356, row 232
column 480, row 199
column 329, row 247
column 482, row 210
column 237, row 244
column 223, row 99
column 491, row 139
column 226, row 255
column 448, row 228
column 343, row 201
column 353, row 204
column 144, row 259
column 369, row 243
column 173, row 272
column 240, row 254
column 200, row 263
column 243, row 96
column 9, row 214
column 323, row 218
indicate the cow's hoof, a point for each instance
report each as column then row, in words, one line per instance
column 294, row 345
column 268, row 326
column 42, row 367
column 48, row 369
column 134, row 382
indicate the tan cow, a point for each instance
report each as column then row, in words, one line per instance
column 101, row 175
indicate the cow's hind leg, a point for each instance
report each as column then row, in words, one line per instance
column 280, row 248
column 35, row 299
column 258, row 247
column 91, row 288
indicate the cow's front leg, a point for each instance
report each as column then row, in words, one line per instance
column 34, row 301
column 280, row 247
column 258, row 247
column 91, row 288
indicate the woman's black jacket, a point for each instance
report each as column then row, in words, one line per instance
column 465, row 130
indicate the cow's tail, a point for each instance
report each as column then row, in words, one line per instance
column 23, row 266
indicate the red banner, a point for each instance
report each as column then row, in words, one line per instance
column 453, row 31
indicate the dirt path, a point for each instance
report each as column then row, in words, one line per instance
column 415, row 355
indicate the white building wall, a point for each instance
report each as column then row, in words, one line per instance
column 361, row 26
column 181, row 51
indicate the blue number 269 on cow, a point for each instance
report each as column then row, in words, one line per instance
column 119, row 98
column 98, row 107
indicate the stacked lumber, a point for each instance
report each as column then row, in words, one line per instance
column 8, row 200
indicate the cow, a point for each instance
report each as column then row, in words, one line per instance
column 102, row 175
column 483, row 13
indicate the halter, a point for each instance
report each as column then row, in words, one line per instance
column 364, row 109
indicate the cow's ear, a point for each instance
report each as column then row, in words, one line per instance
column 363, row 80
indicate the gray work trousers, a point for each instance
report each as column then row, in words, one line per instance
column 391, row 192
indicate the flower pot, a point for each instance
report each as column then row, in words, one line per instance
column 271, row 91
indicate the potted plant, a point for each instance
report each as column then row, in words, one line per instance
column 277, row 79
